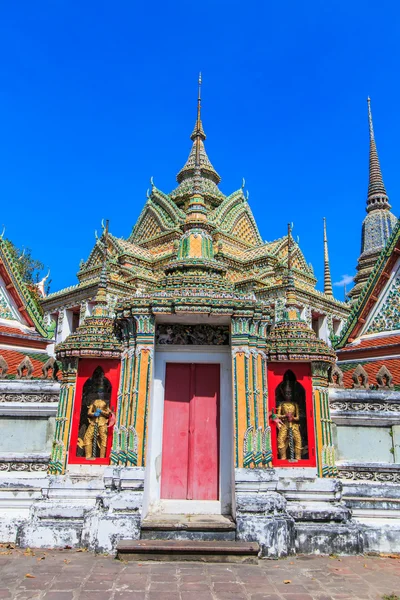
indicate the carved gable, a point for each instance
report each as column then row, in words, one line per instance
column 385, row 314
column 8, row 309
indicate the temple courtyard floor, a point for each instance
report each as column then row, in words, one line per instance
column 75, row 575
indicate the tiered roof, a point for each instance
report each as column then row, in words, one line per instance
column 148, row 260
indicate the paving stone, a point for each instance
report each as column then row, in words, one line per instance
column 58, row 596
column 130, row 596
column 196, row 596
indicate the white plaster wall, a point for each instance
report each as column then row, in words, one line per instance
column 26, row 434
column 194, row 354
column 365, row 444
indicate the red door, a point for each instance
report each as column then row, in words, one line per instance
column 190, row 455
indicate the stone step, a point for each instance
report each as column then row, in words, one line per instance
column 188, row 527
column 189, row 550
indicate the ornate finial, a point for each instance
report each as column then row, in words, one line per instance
column 289, row 236
column 148, row 193
column 377, row 196
column 101, row 296
column 3, row 232
column 152, row 181
column 247, row 195
column 22, row 255
column 243, row 182
column 95, row 234
column 292, row 312
column 327, row 271
column 371, row 126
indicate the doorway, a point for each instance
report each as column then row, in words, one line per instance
column 190, row 450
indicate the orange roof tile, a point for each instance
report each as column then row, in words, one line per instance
column 15, row 330
column 371, row 367
column 13, row 358
column 375, row 342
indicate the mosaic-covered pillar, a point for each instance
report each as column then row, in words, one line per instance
column 250, row 395
column 130, row 433
column 59, row 452
column 325, row 449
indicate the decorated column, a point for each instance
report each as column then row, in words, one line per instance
column 252, row 433
column 63, row 419
column 323, row 422
column 130, row 433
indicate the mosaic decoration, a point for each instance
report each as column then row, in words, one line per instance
column 388, row 317
column 64, row 416
column 30, row 309
column 195, row 252
column 6, row 311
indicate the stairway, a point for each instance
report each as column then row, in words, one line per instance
column 188, row 550
column 188, row 527
column 205, row 538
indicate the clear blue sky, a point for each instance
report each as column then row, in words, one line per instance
column 97, row 97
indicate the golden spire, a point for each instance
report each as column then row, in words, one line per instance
column 327, row 271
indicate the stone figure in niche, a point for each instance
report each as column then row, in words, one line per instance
column 96, row 432
column 95, row 416
column 291, row 419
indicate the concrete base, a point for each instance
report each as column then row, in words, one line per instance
column 285, row 511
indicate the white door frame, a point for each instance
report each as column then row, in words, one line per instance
column 152, row 503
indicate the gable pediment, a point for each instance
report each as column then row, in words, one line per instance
column 385, row 313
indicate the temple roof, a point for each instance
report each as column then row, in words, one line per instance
column 18, row 290
column 372, row 291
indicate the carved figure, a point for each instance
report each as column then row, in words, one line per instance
column 384, row 378
column 97, row 431
column 3, row 367
column 25, row 368
column 336, row 377
column 288, row 416
column 360, row 378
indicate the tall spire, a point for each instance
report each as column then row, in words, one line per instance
column 377, row 196
column 327, row 271
column 101, row 296
column 198, row 164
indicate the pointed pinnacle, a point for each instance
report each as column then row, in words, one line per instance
column 377, row 196
column 327, row 271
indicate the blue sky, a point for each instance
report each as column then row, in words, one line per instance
column 97, row 97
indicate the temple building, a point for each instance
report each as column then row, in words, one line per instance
column 200, row 396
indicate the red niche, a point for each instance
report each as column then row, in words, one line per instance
column 291, row 401
column 95, row 407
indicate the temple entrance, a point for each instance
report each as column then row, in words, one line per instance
column 190, row 447
column 189, row 459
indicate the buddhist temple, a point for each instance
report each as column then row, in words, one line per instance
column 209, row 391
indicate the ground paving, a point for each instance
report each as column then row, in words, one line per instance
column 72, row 575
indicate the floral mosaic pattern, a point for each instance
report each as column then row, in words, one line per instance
column 388, row 317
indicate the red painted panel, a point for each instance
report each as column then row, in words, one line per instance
column 190, row 454
column 86, row 368
column 302, row 371
column 175, row 448
column 204, row 429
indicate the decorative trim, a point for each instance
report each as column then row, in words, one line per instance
column 369, row 475
column 373, row 407
column 31, row 467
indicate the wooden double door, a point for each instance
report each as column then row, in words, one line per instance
column 190, row 448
